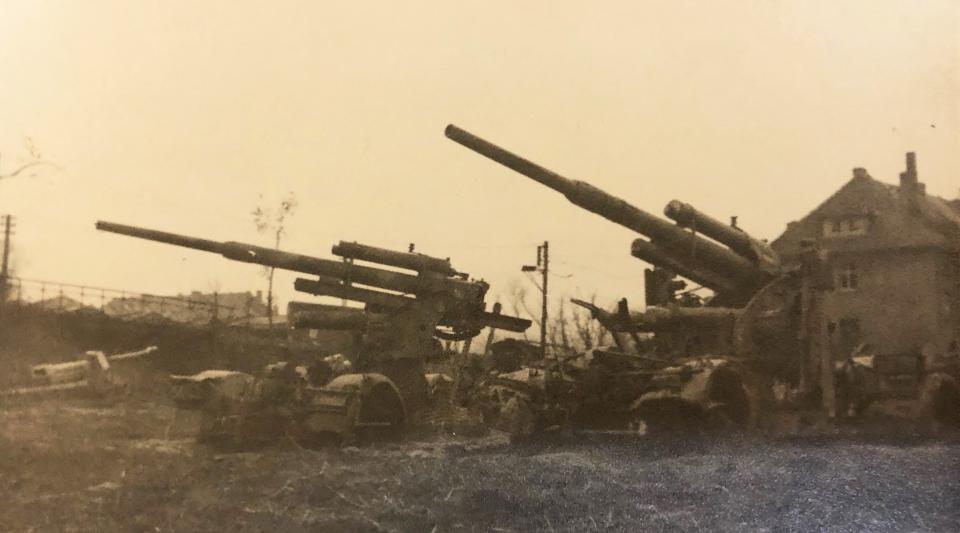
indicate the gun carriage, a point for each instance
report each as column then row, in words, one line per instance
column 756, row 352
column 398, row 328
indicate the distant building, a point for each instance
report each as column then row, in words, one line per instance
column 894, row 252
column 60, row 303
column 232, row 305
column 196, row 307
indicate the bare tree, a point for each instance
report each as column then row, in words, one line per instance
column 273, row 221
column 590, row 332
column 570, row 329
column 518, row 304
column 559, row 327
column 34, row 159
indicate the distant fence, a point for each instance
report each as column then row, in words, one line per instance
column 130, row 305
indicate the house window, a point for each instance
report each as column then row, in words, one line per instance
column 846, row 277
column 845, row 226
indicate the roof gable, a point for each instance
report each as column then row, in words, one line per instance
column 897, row 218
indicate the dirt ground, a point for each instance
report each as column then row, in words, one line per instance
column 69, row 463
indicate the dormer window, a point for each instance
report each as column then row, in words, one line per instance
column 845, row 226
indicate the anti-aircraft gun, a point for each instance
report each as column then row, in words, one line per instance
column 699, row 369
column 695, row 246
column 404, row 313
column 734, row 265
column 762, row 343
column 720, row 257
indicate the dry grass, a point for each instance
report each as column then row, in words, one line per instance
column 69, row 464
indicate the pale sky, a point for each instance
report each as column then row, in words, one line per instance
column 178, row 115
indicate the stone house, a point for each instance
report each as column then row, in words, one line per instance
column 894, row 252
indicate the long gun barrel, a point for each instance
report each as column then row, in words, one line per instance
column 429, row 282
column 736, row 239
column 707, row 256
column 464, row 308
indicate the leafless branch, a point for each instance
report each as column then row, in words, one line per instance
column 273, row 221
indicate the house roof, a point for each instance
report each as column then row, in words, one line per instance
column 899, row 218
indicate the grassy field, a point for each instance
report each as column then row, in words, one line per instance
column 75, row 464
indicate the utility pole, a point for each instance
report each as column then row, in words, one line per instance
column 545, row 251
column 543, row 266
column 5, row 268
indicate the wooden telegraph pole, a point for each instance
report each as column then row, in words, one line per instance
column 5, row 268
column 543, row 266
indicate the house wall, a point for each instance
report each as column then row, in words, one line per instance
column 904, row 298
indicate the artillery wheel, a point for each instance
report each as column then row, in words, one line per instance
column 518, row 419
column 721, row 420
column 668, row 418
column 408, row 375
column 382, row 415
column 724, row 409
column 940, row 400
column 731, row 409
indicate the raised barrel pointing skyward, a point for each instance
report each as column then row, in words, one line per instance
column 699, row 254
column 248, row 253
column 463, row 307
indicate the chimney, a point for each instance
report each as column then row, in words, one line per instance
column 860, row 173
column 909, row 182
